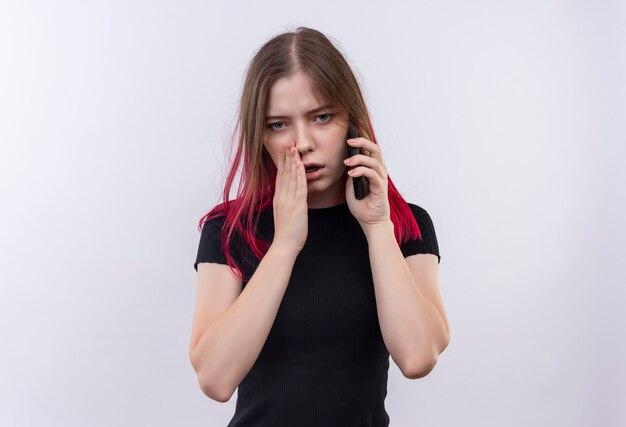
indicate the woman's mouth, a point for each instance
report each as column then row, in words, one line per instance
column 313, row 172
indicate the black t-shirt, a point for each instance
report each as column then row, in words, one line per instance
column 324, row 362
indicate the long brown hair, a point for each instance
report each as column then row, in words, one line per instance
column 308, row 51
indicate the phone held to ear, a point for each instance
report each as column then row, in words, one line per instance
column 360, row 182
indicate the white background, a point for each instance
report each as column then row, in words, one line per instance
column 505, row 120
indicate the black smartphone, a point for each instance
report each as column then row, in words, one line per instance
column 360, row 182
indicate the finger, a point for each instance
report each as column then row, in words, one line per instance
column 298, row 180
column 280, row 164
column 287, row 170
column 299, row 175
column 293, row 177
column 302, row 188
column 370, row 174
column 293, row 174
column 368, row 147
column 370, row 162
column 279, row 186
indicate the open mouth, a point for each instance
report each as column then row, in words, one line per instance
column 313, row 173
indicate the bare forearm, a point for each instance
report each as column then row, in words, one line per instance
column 229, row 347
column 413, row 330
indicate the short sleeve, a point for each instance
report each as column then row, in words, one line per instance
column 428, row 244
column 209, row 248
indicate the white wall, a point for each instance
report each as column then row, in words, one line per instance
column 505, row 120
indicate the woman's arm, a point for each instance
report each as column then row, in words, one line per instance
column 229, row 346
column 412, row 318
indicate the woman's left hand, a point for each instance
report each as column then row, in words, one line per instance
column 373, row 209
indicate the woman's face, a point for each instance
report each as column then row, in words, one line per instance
column 319, row 134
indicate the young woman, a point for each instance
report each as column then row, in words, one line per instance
column 304, row 291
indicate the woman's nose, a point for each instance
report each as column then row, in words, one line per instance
column 303, row 139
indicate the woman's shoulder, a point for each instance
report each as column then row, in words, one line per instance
column 423, row 219
column 427, row 242
column 215, row 220
column 216, row 216
column 418, row 211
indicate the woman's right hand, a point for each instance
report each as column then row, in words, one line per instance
column 291, row 224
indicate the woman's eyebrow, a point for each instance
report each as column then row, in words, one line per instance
column 315, row 110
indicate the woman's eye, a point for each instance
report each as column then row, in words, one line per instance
column 273, row 126
column 325, row 115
